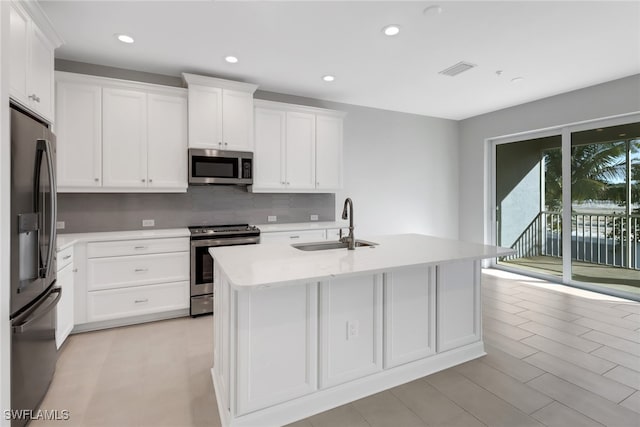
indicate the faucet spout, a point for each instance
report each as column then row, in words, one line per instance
column 348, row 203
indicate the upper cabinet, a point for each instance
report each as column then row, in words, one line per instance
column 119, row 136
column 297, row 149
column 220, row 113
column 32, row 41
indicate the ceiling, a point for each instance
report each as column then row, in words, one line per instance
column 287, row 46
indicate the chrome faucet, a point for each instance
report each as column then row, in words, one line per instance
column 350, row 239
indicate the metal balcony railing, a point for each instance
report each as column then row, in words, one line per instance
column 604, row 239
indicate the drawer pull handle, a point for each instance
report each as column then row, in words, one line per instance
column 139, row 247
column 66, row 257
column 141, row 270
column 140, row 301
column 294, row 237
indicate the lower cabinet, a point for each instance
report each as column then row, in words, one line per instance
column 137, row 300
column 350, row 328
column 128, row 278
column 277, row 345
column 458, row 300
column 64, row 308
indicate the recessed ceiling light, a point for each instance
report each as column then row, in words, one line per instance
column 125, row 38
column 623, row 134
column 231, row 59
column 391, row 30
column 328, row 78
column 599, row 130
column 517, row 79
column 432, row 10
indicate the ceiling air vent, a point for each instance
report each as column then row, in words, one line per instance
column 458, row 68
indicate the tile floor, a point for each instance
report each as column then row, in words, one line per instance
column 554, row 358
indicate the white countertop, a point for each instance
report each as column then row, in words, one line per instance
column 299, row 226
column 65, row 240
column 278, row 263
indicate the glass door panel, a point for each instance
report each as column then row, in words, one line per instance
column 529, row 204
column 604, row 207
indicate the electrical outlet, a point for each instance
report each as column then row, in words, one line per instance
column 272, row 218
column 353, row 329
column 148, row 222
column 60, row 225
column 313, row 217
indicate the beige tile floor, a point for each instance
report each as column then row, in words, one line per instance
column 554, row 358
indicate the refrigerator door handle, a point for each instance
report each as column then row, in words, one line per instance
column 45, row 146
column 38, row 311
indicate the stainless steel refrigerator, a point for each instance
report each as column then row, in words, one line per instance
column 34, row 293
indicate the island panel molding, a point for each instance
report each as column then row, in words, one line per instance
column 298, row 333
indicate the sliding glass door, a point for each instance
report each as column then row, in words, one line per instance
column 568, row 202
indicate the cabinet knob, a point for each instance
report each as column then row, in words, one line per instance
column 225, row 144
column 34, row 97
column 150, row 180
column 75, row 270
column 96, row 179
column 288, row 183
column 220, row 143
column 143, row 180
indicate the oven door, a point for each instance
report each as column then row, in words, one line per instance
column 202, row 262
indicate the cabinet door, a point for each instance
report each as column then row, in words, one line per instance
column 328, row 153
column 300, row 151
column 124, row 138
column 458, row 301
column 79, row 135
column 40, row 74
column 237, row 120
column 18, row 52
column 167, row 142
column 64, row 308
column 205, row 117
column 269, row 149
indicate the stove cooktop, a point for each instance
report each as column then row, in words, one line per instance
column 222, row 230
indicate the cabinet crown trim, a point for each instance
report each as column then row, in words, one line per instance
column 109, row 82
column 261, row 103
column 194, row 79
column 42, row 21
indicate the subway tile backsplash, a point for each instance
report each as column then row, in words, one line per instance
column 200, row 205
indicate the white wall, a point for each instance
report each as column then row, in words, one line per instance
column 5, row 183
column 400, row 170
column 608, row 99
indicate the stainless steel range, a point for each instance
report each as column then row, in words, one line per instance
column 203, row 238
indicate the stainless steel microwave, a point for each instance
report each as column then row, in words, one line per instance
column 220, row 167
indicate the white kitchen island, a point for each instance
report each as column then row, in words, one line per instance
column 297, row 333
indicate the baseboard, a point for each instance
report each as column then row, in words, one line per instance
column 127, row 321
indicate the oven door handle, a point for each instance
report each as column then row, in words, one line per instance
column 224, row 242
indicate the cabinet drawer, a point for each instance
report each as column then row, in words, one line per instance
column 119, row 272
column 138, row 300
column 137, row 247
column 293, row 236
column 64, row 258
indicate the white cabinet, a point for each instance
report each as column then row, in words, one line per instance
column 167, row 133
column 64, row 308
column 350, row 328
column 297, row 149
column 31, row 58
column 128, row 278
column 79, row 134
column 220, row 113
column 118, row 136
column 409, row 314
column 328, row 152
column 124, row 138
column 458, row 300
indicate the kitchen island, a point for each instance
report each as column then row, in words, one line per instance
column 299, row 332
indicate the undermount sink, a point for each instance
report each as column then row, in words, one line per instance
column 323, row 246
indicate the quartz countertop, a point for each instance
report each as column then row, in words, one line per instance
column 300, row 226
column 264, row 265
column 65, row 240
